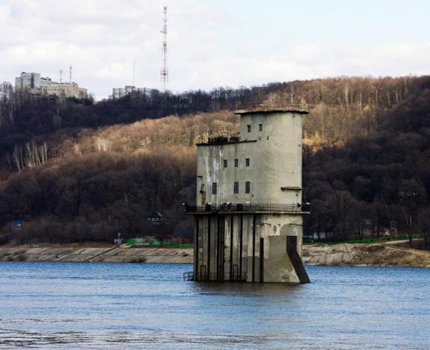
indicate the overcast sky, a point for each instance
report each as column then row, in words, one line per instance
column 212, row 43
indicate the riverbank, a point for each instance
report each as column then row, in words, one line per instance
column 96, row 253
column 379, row 254
column 395, row 253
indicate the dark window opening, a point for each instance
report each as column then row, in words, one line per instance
column 225, row 163
column 248, row 187
column 260, row 127
column 236, row 163
column 249, row 128
column 236, row 187
column 248, row 162
column 214, row 187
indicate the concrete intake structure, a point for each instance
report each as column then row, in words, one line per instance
column 249, row 211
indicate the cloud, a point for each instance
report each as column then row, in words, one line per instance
column 101, row 38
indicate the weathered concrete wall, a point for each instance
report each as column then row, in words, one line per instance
column 272, row 228
column 275, row 155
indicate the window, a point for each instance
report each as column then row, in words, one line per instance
column 248, row 187
column 260, row 127
column 236, row 187
column 214, row 187
column 249, row 128
column 236, row 163
column 248, row 161
column 225, row 163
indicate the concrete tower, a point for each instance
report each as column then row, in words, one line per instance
column 249, row 212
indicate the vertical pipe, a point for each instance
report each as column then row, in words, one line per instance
column 209, row 248
column 196, row 250
column 231, row 247
column 240, row 246
column 217, row 250
column 261, row 260
column 253, row 248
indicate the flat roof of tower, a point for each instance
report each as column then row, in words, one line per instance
column 293, row 108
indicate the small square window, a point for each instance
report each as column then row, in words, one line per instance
column 260, row 127
column 225, row 163
column 236, row 187
column 248, row 187
column 214, row 187
column 249, row 128
column 248, row 161
column 236, row 163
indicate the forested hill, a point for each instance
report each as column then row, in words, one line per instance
column 341, row 108
column 376, row 183
column 79, row 170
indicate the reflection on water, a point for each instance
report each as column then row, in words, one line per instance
column 121, row 306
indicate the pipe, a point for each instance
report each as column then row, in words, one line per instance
column 231, row 247
column 253, row 249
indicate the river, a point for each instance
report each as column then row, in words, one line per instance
column 143, row 306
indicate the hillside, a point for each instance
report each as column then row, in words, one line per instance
column 377, row 183
column 75, row 170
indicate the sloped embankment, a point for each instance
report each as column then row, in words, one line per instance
column 380, row 254
column 121, row 254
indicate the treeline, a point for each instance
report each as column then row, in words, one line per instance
column 102, row 182
column 99, row 196
column 79, row 170
column 340, row 108
column 378, row 183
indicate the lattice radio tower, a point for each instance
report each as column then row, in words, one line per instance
column 164, row 73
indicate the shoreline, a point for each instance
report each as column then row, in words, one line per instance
column 387, row 254
column 383, row 254
column 96, row 253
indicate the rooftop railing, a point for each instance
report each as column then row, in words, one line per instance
column 281, row 105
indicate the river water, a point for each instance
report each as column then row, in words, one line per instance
column 140, row 306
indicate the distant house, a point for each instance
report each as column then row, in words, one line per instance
column 155, row 217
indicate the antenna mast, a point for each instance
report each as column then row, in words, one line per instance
column 134, row 70
column 70, row 74
column 164, row 73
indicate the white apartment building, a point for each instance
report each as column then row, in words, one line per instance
column 34, row 83
column 31, row 81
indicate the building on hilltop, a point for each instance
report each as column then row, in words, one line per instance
column 249, row 210
column 6, row 90
column 129, row 89
column 35, row 84
column 65, row 90
column 31, row 81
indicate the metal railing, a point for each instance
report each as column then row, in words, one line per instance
column 188, row 276
column 267, row 207
column 214, row 277
column 218, row 139
column 281, row 105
